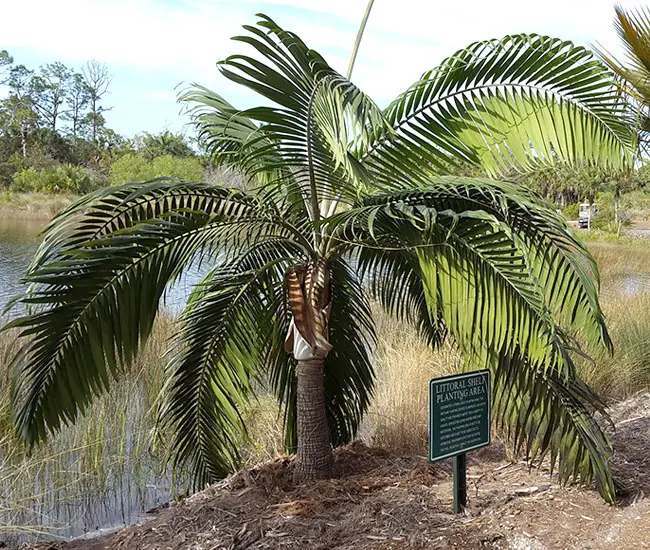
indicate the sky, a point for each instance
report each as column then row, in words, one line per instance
column 154, row 48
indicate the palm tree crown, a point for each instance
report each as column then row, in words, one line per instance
column 353, row 204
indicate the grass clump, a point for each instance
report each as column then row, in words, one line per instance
column 105, row 470
column 625, row 298
column 398, row 416
column 33, row 205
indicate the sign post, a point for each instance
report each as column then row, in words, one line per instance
column 459, row 421
column 460, row 482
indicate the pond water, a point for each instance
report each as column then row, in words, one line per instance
column 635, row 284
column 19, row 240
column 47, row 497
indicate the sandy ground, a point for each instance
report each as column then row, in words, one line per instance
column 384, row 501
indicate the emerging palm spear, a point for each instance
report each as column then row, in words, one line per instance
column 352, row 205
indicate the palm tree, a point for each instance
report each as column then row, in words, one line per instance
column 633, row 27
column 353, row 204
column 165, row 143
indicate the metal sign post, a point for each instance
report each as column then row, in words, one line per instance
column 460, row 482
column 459, row 421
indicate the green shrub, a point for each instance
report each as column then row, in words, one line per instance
column 128, row 168
column 571, row 211
column 133, row 168
column 637, row 203
column 25, row 180
column 64, row 178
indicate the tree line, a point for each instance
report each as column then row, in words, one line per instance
column 54, row 136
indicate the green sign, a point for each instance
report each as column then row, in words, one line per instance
column 459, row 414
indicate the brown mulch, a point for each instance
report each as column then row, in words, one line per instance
column 384, row 501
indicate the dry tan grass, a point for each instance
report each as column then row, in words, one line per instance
column 36, row 206
column 625, row 299
column 398, row 416
column 265, row 434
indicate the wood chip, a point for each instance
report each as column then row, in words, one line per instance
column 525, row 491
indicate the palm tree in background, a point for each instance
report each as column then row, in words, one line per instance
column 353, row 204
column 165, row 143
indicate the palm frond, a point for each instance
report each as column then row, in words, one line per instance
column 231, row 137
column 499, row 104
column 394, row 281
column 97, row 286
column 120, row 208
column 476, row 247
column 316, row 117
column 544, row 410
column 633, row 28
column 561, row 265
column 217, row 357
column 549, row 416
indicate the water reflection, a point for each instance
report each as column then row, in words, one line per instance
column 629, row 284
column 634, row 284
column 59, row 493
column 75, row 485
column 18, row 242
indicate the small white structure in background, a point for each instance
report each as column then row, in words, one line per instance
column 586, row 214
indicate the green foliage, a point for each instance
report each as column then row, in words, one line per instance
column 605, row 220
column 505, row 116
column 64, row 178
column 642, row 176
column 633, row 28
column 5, row 63
column 151, row 146
column 572, row 211
column 354, row 191
column 49, row 90
column 52, row 117
column 637, row 203
column 132, row 167
column 564, row 182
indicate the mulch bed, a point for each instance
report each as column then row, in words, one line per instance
column 382, row 500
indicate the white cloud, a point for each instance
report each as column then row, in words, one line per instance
column 183, row 39
column 118, row 32
column 190, row 33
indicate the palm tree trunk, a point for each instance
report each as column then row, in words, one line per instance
column 314, row 458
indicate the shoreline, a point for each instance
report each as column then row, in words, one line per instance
column 33, row 206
